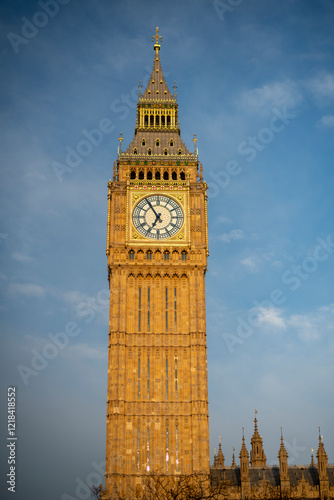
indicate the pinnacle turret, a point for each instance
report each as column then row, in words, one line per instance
column 220, row 459
column 257, row 455
column 322, row 457
column 283, row 460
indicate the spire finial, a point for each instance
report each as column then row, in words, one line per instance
column 174, row 88
column 157, row 38
column 140, row 87
column 120, row 143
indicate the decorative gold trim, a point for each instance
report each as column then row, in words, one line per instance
column 206, row 219
column 108, row 217
column 188, row 214
column 127, row 212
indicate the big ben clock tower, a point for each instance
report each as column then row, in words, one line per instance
column 157, row 248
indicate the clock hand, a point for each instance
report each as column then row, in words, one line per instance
column 158, row 219
column 151, row 206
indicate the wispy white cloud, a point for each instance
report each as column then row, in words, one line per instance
column 235, row 234
column 322, row 87
column 306, row 327
column 251, row 264
column 27, row 289
column 328, row 308
column 326, row 122
column 21, row 257
column 223, row 220
column 88, row 307
column 272, row 317
column 277, row 263
column 279, row 94
column 84, row 351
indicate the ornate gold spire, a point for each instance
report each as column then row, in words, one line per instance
column 157, row 38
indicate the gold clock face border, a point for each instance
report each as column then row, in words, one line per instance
column 179, row 196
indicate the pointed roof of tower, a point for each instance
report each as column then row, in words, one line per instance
column 233, row 460
column 321, row 453
column 243, row 452
column 157, row 133
column 220, row 459
column 312, row 459
column 282, row 453
column 257, row 455
column 157, row 89
column 256, row 432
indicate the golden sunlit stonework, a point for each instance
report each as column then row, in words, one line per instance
column 157, row 247
column 157, row 402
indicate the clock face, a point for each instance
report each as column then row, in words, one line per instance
column 157, row 217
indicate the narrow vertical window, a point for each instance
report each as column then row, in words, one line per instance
column 138, row 448
column 139, row 311
column 175, row 378
column 166, row 378
column 148, row 378
column 148, row 450
column 177, row 448
column 139, row 377
column 175, row 312
column 167, row 450
column 166, row 309
column 148, row 308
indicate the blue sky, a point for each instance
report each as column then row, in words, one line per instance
column 255, row 82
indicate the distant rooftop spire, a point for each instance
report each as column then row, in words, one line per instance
column 257, row 455
column 312, row 459
column 233, row 459
column 282, row 453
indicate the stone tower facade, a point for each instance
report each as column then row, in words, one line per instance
column 157, row 248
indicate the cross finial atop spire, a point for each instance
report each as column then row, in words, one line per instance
column 157, row 38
